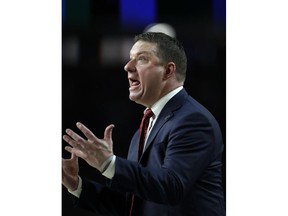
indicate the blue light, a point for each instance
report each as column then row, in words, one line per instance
column 137, row 13
column 63, row 9
column 219, row 11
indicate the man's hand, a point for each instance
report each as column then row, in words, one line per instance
column 93, row 150
column 70, row 169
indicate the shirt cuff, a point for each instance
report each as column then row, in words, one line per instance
column 78, row 191
column 108, row 167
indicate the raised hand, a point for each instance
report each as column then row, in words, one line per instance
column 70, row 169
column 92, row 149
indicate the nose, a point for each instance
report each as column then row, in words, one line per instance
column 129, row 67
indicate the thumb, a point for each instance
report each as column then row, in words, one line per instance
column 74, row 157
column 108, row 132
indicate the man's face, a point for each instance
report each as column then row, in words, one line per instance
column 145, row 74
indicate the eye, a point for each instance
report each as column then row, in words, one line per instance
column 142, row 59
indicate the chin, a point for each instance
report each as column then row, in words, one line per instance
column 136, row 100
column 133, row 98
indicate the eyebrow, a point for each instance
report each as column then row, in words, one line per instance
column 144, row 52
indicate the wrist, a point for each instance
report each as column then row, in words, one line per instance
column 106, row 164
column 78, row 190
column 74, row 183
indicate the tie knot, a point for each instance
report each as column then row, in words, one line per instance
column 148, row 113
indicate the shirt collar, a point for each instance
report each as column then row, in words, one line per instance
column 158, row 106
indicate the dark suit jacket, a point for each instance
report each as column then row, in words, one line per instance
column 179, row 173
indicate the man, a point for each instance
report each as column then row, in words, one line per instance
column 179, row 171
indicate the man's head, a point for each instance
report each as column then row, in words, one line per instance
column 157, row 66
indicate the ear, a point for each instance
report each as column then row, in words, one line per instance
column 169, row 70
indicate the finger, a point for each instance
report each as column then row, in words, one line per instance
column 108, row 132
column 76, row 152
column 79, row 153
column 75, row 136
column 88, row 133
column 70, row 141
column 69, row 149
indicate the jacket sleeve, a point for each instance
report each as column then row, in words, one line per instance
column 100, row 199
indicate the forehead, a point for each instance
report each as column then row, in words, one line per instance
column 143, row 47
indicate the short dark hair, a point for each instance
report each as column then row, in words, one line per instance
column 169, row 50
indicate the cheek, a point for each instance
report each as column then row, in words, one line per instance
column 156, row 77
column 155, row 73
column 151, row 81
column 152, row 77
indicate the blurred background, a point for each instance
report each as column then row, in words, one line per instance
column 96, row 40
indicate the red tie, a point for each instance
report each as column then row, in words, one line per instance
column 143, row 131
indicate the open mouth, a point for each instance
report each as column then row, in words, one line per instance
column 134, row 83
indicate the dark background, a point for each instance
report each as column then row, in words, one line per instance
column 95, row 87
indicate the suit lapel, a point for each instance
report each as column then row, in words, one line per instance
column 158, row 124
column 166, row 114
